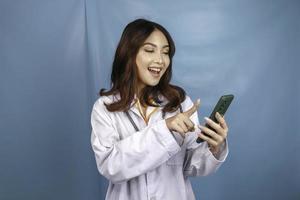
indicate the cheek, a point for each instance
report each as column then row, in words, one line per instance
column 142, row 60
column 167, row 62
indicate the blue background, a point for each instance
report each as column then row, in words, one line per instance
column 56, row 55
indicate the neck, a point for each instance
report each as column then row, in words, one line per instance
column 138, row 91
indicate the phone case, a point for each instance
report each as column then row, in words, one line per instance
column 221, row 107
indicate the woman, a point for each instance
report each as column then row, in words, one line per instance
column 144, row 129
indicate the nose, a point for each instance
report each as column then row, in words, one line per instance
column 159, row 58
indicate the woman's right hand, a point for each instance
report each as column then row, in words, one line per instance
column 181, row 122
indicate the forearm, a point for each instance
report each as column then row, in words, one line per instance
column 136, row 154
column 200, row 161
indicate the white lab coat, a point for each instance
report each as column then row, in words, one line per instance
column 151, row 164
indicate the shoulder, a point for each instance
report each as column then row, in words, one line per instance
column 104, row 100
column 187, row 103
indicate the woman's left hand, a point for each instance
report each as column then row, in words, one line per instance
column 216, row 137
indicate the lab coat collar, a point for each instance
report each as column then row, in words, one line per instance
column 134, row 108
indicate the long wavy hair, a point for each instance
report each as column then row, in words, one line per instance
column 124, row 71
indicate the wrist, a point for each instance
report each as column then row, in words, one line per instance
column 214, row 150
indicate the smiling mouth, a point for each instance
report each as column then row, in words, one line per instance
column 154, row 70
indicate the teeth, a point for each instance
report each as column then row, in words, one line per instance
column 157, row 70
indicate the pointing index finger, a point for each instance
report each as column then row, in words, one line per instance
column 193, row 109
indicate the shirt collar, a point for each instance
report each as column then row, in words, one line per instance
column 117, row 97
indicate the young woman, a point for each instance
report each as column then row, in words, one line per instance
column 144, row 129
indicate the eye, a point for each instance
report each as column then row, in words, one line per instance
column 166, row 51
column 149, row 50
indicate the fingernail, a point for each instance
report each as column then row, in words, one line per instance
column 206, row 118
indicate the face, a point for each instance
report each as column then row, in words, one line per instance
column 152, row 59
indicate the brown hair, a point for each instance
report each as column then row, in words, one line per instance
column 124, row 70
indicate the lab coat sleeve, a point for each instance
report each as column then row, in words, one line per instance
column 199, row 160
column 120, row 160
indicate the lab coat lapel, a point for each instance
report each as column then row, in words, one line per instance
column 133, row 108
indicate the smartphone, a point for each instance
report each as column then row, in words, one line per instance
column 221, row 108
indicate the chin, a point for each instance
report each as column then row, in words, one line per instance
column 153, row 84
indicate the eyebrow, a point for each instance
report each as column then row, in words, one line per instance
column 154, row 45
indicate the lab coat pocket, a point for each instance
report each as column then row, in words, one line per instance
column 177, row 159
